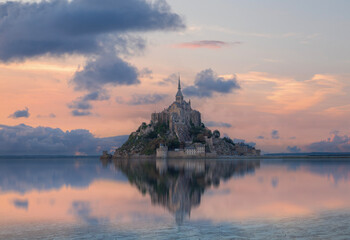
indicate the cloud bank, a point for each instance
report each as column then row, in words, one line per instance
column 293, row 149
column 336, row 143
column 79, row 26
column 26, row 140
column 142, row 99
column 20, row 114
column 218, row 124
column 237, row 140
column 207, row 83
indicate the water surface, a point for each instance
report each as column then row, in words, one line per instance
column 85, row 198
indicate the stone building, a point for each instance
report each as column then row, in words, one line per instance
column 178, row 116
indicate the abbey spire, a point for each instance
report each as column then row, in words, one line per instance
column 179, row 96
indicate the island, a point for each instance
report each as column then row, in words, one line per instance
column 178, row 132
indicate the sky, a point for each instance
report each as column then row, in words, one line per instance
column 271, row 73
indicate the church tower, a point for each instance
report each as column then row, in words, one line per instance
column 179, row 96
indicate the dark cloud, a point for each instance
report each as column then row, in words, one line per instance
column 51, row 115
column 206, row 44
column 107, row 69
column 336, row 143
column 171, row 79
column 293, row 149
column 21, row 203
column 143, row 99
column 79, row 26
column 145, row 72
column 275, row 134
column 218, row 124
column 82, row 104
column 96, row 96
column 80, row 113
column 260, row 137
column 20, row 114
column 23, row 139
column 207, row 83
column 103, row 71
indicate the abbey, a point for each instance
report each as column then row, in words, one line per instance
column 179, row 116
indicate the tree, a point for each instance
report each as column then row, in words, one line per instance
column 216, row 134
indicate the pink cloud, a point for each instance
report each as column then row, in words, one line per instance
column 206, row 44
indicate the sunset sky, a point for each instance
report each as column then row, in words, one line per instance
column 274, row 73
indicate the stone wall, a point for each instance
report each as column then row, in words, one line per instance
column 196, row 118
column 162, row 117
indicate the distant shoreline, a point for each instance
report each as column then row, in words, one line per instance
column 275, row 156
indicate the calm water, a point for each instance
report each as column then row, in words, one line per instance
column 84, row 198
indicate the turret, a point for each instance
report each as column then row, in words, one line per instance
column 179, row 96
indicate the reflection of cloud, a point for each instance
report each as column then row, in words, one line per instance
column 224, row 191
column 47, row 173
column 274, row 182
column 239, row 198
column 21, row 203
column 82, row 210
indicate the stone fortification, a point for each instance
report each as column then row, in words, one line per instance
column 179, row 116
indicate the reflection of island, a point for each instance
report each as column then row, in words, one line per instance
column 46, row 173
column 179, row 184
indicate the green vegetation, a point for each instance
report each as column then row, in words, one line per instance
column 216, row 134
column 228, row 140
column 199, row 133
column 172, row 143
column 148, row 143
